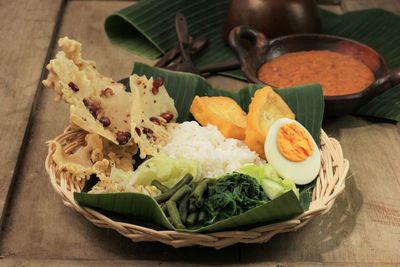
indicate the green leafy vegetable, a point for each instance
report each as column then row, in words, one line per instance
column 234, row 194
column 273, row 185
column 166, row 170
column 252, row 170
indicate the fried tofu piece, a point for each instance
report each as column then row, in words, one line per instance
column 222, row 112
column 265, row 108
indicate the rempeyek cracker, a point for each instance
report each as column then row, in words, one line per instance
column 97, row 103
column 152, row 115
column 98, row 156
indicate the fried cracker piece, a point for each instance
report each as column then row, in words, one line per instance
column 153, row 114
column 98, row 156
column 109, row 185
column 97, row 103
column 265, row 108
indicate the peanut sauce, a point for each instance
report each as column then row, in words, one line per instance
column 338, row 74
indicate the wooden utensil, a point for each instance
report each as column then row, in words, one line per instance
column 184, row 45
column 174, row 53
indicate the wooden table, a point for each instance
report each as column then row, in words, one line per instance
column 363, row 227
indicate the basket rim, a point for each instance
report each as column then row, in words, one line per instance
column 330, row 183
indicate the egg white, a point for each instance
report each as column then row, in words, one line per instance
column 301, row 172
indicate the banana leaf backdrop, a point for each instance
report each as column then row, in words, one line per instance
column 147, row 28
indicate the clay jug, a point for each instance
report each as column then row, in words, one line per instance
column 273, row 17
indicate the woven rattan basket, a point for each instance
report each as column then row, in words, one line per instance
column 330, row 184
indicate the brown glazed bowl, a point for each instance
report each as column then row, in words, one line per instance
column 273, row 18
column 263, row 50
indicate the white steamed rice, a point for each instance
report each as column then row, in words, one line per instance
column 216, row 154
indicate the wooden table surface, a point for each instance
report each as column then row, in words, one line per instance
column 362, row 228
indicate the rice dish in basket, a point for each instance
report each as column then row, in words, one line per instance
column 216, row 154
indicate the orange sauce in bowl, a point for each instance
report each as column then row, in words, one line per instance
column 338, row 74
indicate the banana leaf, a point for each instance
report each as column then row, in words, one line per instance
column 144, row 208
column 305, row 101
column 147, row 28
column 386, row 105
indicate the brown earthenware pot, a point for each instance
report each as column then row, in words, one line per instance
column 273, row 17
column 263, row 50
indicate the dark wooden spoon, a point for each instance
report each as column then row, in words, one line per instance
column 172, row 58
column 184, row 45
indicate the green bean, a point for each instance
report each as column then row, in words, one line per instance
column 199, row 203
column 211, row 181
column 160, row 186
column 192, row 218
column 192, row 205
column 183, row 208
column 180, row 193
column 200, row 189
column 185, row 180
column 165, row 196
column 193, row 185
column 198, row 192
column 202, row 216
column 174, row 213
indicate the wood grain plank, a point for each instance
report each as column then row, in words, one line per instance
column 389, row 5
column 141, row 263
column 363, row 227
column 26, row 30
column 56, row 231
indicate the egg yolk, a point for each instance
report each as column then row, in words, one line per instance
column 294, row 143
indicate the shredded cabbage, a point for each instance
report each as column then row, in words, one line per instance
column 161, row 167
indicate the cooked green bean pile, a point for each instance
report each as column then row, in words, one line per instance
column 183, row 204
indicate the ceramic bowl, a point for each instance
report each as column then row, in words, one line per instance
column 262, row 50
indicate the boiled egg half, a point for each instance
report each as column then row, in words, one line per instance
column 290, row 148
